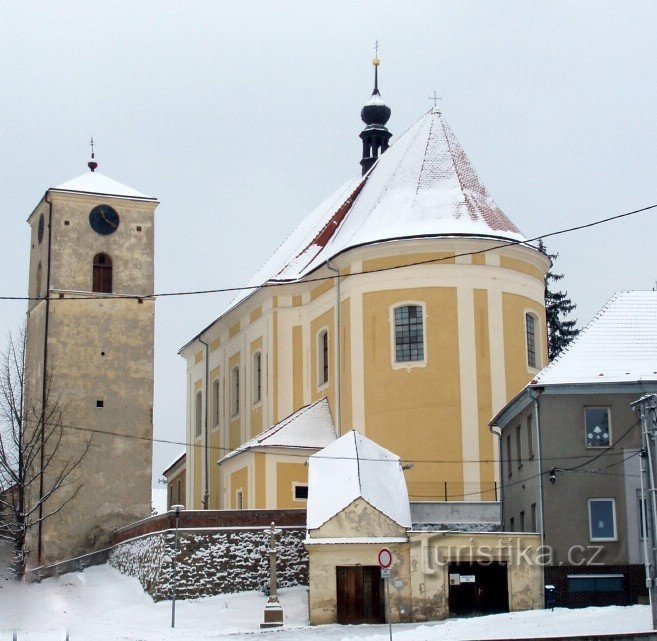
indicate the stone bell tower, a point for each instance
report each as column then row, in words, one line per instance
column 89, row 359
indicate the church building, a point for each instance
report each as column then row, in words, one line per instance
column 407, row 306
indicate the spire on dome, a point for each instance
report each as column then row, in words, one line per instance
column 92, row 164
column 375, row 114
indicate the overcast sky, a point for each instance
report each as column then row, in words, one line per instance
column 241, row 117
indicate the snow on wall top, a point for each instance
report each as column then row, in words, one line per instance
column 93, row 182
column 618, row 345
column 310, row 427
column 354, row 467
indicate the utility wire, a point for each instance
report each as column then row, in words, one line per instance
column 280, row 283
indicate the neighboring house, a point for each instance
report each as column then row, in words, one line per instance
column 175, row 474
column 407, row 299
column 270, row 470
column 570, row 445
column 358, row 505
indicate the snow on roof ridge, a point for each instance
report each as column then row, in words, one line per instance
column 95, row 182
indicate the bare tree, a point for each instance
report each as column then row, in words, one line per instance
column 37, row 462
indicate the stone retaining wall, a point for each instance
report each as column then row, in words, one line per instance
column 212, row 560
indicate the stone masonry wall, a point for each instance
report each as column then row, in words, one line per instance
column 212, row 561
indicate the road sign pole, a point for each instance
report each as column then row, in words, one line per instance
column 387, row 580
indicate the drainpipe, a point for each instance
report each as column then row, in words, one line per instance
column 206, row 453
column 535, row 398
column 338, row 348
column 44, row 385
column 491, row 429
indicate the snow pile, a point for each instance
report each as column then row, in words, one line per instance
column 100, row 604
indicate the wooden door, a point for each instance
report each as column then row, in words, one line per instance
column 359, row 595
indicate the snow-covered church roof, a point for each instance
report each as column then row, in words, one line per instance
column 422, row 186
column 310, row 427
column 618, row 345
column 93, row 182
column 350, row 468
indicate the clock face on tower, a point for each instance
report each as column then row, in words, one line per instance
column 104, row 219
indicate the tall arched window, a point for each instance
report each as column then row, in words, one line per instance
column 215, row 402
column 322, row 358
column 409, row 334
column 257, row 377
column 102, row 274
column 198, row 414
column 235, row 391
column 530, row 328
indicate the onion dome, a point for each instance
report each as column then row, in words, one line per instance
column 375, row 111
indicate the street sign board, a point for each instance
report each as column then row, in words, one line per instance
column 385, row 573
column 385, row 558
column 467, row 578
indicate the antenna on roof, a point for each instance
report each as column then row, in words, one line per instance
column 92, row 164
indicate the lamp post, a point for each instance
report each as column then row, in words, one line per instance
column 177, row 510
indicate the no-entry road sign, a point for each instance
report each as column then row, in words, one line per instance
column 385, row 558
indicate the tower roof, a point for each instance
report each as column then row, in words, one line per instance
column 93, row 182
column 422, row 187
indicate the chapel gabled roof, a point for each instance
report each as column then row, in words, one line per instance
column 422, row 186
column 93, row 182
column 310, row 427
column 355, row 467
column 619, row 345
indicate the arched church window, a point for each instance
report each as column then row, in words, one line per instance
column 39, row 278
column 409, row 334
column 235, row 391
column 102, row 274
column 530, row 328
column 257, row 378
column 198, row 414
column 322, row 358
column 216, row 390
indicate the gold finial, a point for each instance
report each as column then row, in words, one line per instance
column 376, row 62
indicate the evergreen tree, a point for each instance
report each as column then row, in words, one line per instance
column 557, row 307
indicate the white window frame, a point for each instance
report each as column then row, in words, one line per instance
column 538, row 343
column 321, row 383
column 256, row 398
column 393, row 343
column 198, row 414
column 234, row 391
column 295, row 485
column 598, row 447
column 613, row 511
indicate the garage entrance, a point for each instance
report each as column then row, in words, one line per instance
column 478, row 589
column 360, row 594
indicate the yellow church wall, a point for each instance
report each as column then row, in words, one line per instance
column 522, row 266
column 297, row 367
column 256, row 409
column 215, row 453
column 518, row 373
column 287, row 474
column 255, row 314
column 346, row 385
column 400, row 415
column 215, row 344
column 260, row 481
column 390, row 262
column 326, row 286
column 274, row 360
column 484, row 393
column 239, row 480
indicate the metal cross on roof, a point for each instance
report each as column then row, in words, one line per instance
column 435, row 99
column 91, row 142
column 376, row 49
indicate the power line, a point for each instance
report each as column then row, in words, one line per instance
column 282, row 283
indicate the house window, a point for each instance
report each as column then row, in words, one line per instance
column 239, row 501
column 534, row 528
column 602, row 519
column 597, row 427
column 508, row 455
column 235, row 391
column 522, row 520
column 519, row 446
column 198, row 414
column 300, row 492
column 512, row 527
column 257, row 377
column 530, row 438
column 530, row 328
column 409, row 334
column 216, row 390
column 102, row 274
column 322, row 358
column 595, row 583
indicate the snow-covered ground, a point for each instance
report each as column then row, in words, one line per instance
column 100, row 604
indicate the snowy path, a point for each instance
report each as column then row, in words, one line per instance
column 101, row 604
